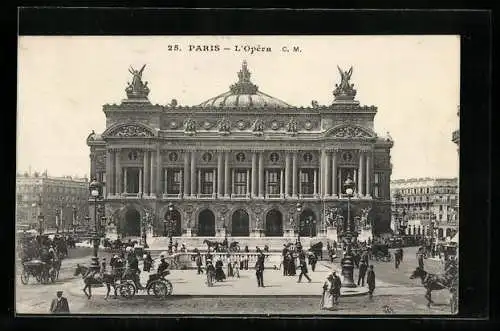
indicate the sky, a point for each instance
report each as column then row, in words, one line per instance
column 63, row 82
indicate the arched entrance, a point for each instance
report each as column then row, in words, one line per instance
column 449, row 232
column 132, row 224
column 206, row 224
column 274, row 223
column 240, row 224
column 307, row 225
column 175, row 217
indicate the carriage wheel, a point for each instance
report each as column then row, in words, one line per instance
column 25, row 277
column 127, row 290
column 158, row 289
column 170, row 288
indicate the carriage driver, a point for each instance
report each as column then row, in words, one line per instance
column 133, row 268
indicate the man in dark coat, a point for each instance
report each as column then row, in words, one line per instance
column 259, row 270
column 199, row 263
column 363, row 267
column 420, row 257
column 312, row 261
column 370, row 280
column 59, row 305
column 303, row 271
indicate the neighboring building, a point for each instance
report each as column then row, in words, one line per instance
column 424, row 201
column 456, row 139
column 240, row 161
column 52, row 197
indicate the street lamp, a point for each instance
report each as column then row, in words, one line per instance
column 145, row 222
column 40, row 223
column 297, row 222
column 95, row 192
column 169, row 221
column 73, row 219
column 347, row 260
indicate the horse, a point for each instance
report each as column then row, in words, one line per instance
column 211, row 244
column 432, row 282
column 107, row 279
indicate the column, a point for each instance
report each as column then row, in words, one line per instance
column 327, row 174
column 219, row 173
column 146, row 173
column 300, row 184
column 368, row 175
column 92, row 166
column 322, row 173
column 248, row 182
column 262, row 192
column 181, row 180
column 266, row 181
column 125, row 176
column 193, row 173
column 294, row 174
column 232, row 181
column 360, row 172
column 152, row 174
column 281, row 182
column 227, row 191
column 254, row 175
column 199, row 182
column 287, row 174
column 118, row 171
column 158, row 170
column 334, row 173
column 185, row 173
column 109, row 177
column 165, row 190
column 315, row 181
column 215, row 180
column 140, row 181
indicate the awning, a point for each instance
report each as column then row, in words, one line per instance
column 455, row 238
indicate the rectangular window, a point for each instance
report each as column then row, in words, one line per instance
column 376, row 186
column 240, row 182
column 174, row 182
column 273, row 182
column 207, row 181
column 307, row 181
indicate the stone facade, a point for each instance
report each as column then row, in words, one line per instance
column 424, row 201
column 240, row 151
column 52, row 197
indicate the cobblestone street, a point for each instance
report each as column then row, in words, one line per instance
column 395, row 293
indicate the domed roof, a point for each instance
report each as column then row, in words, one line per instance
column 244, row 94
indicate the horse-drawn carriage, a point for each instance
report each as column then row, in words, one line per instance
column 43, row 272
column 234, row 246
column 380, row 252
column 124, row 283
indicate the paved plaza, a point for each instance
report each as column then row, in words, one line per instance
column 395, row 293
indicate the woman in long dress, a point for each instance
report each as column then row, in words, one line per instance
column 327, row 297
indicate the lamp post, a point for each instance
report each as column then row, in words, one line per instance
column 169, row 221
column 40, row 223
column 95, row 192
column 347, row 234
column 73, row 219
column 297, row 222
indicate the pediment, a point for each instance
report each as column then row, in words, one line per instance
column 129, row 130
column 350, row 131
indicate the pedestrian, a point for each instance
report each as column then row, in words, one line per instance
column 400, row 254
column 303, row 271
column 59, row 305
column 363, row 267
column 312, row 261
column 327, row 297
column 285, row 264
column 370, row 280
column 236, row 267
column 397, row 259
column 421, row 260
column 210, row 273
column 245, row 261
column 229, row 266
column 199, row 263
column 337, row 284
column 259, row 270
